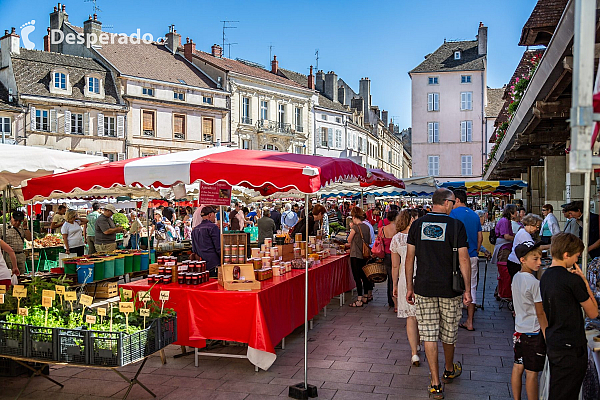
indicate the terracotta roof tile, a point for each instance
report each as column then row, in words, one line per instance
column 443, row 58
column 542, row 22
column 302, row 80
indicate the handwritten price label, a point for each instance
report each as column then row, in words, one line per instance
column 18, row 287
column 144, row 296
column 1, row 298
column 23, row 312
column 49, row 293
column 2, row 289
column 90, row 319
column 164, row 295
column 102, row 312
column 46, row 301
column 86, row 300
column 71, row 296
column 60, row 290
column 127, row 294
column 144, row 312
column 19, row 293
column 126, row 307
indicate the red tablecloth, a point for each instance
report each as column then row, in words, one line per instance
column 260, row 318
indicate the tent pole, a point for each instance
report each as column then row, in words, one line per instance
column 221, row 216
column 32, row 241
column 306, row 299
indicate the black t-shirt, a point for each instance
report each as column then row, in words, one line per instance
column 594, row 233
column 433, row 238
column 562, row 292
column 168, row 213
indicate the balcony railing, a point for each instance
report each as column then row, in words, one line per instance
column 299, row 128
column 246, row 120
column 264, row 125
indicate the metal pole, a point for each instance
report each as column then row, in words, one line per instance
column 221, row 216
column 32, row 241
column 586, row 219
column 306, row 298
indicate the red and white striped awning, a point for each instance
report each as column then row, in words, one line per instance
column 265, row 171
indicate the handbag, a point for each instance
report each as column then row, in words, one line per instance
column 378, row 249
column 366, row 250
column 458, row 283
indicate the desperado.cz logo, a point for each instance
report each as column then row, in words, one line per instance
column 57, row 36
column 26, row 29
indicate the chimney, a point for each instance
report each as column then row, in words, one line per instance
column 342, row 94
column 189, row 48
column 331, row 87
column 391, row 127
column 9, row 43
column 357, row 103
column 311, row 79
column 92, row 28
column 58, row 16
column 173, row 39
column 274, row 65
column 482, row 40
column 320, row 81
column 216, row 50
column 47, row 41
column 364, row 91
column 384, row 117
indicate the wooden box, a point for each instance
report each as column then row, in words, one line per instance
column 226, row 277
column 233, row 239
column 153, row 269
column 103, row 290
column 286, row 251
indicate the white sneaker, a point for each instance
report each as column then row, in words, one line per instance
column 415, row 360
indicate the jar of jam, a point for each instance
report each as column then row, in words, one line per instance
column 236, row 273
column 181, row 278
column 161, row 269
column 202, row 266
column 167, row 279
column 169, row 271
column 226, row 259
column 194, row 279
column 151, row 279
column 227, row 249
column 206, row 276
column 241, row 250
column 188, row 278
column 160, row 261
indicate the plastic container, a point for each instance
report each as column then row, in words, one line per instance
column 128, row 264
column 119, row 265
column 152, row 256
column 70, row 266
column 85, row 272
column 145, row 261
column 137, row 262
column 109, row 267
column 98, row 268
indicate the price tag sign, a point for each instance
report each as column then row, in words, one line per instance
column 46, row 301
column 23, row 312
column 102, row 312
column 126, row 307
column 90, row 319
column 164, row 295
column 18, row 287
column 182, row 268
column 49, row 293
column 144, row 296
column 1, row 298
column 86, row 300
column 60, row 290
column 19, row 292
column 145, row 312
column 127, row 294
column 2, row 289
column 71, row 296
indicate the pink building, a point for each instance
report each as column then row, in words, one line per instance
column 449, row 96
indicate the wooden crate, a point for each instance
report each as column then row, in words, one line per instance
column 102, row 290
column 233, row 239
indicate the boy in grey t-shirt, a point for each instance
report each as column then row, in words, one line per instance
column 530, row 321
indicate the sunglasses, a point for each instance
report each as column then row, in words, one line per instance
column 453, row 201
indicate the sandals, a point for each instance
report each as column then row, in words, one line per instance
column 355, row 303
column 369, row 297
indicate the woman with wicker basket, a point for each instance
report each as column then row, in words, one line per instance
column 360, row 234
column 405, row 310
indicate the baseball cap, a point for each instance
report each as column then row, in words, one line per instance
column 522, row 249
column 18, row 215
column 110, row 208
column 206, row 211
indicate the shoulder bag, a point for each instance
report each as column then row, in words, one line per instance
column 366, row 250
column 378, row 249
column 458, row 283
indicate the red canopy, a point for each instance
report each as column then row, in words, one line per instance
column 380, row 178
column 265, row 171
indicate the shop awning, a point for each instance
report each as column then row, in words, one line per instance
column 486, row 186
column 265, row 171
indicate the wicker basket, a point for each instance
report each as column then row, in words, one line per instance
column 375, row 271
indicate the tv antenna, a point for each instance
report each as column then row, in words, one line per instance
column 227, row 25
column 270, row 51
column 95, row 7
column 229, row 49
column 317, row 54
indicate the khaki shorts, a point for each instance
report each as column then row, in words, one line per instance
column 106, row 248
column 20, row 262
column 91, row 246
column 474, row 276
column 438, row 318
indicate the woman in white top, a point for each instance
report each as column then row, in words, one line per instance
column 531, row 225
column 73, row 234
column 5, row 273
column 405, row 310
column 550, row 225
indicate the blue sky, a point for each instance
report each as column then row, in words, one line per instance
column 382, row 40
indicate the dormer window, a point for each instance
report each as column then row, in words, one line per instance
column 60, row 80
column 94, row 85
column 457, row 55
column 148, row 91
column 178, row 95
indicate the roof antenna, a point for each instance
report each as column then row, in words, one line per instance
column 229, row 44
column 270, row 51
column 317, row 54
column 227, row 27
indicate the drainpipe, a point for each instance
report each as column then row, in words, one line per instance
column 483, row 128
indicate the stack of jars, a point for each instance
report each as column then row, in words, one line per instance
column 234, row 254
column 192, row 278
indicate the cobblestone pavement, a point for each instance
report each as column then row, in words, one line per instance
column 354, row 353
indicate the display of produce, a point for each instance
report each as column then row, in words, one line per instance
column 50, row 240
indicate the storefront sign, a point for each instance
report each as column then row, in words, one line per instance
column 218, row 194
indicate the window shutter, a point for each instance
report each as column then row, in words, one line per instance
column 100, row 124
column 120, row 126
column 330, row 142
column 429, row 101
column 53, row 124
column 436, row 101
column 86, row 123
column 178, row 124
column 148, row 121
column 32, row 112
column 463, row 131
column 67, row 121
column 207, row 126
column 121, row 157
